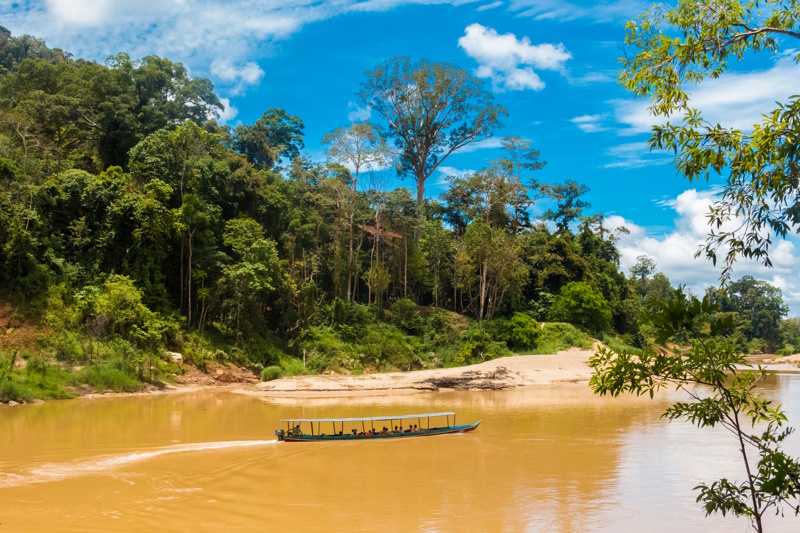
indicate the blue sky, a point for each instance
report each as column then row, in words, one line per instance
column 552, row 64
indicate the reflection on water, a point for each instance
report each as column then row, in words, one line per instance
column 544, row 459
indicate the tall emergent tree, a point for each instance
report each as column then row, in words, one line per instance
column 676, row 48
column 431, row 110
column 569, row 205
column 276, row 135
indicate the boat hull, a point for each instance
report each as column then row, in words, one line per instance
column 347, row 438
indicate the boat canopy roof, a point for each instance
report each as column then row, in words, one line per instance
column 367, row 419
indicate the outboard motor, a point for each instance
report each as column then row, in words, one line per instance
column 280, row 433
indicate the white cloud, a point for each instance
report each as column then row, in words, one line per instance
column 358, row 114
column 509, row 61
column 239, row 77
column 490, row 143
column 561, row 11
column 589, row 123
column 446, row 172
column 196, row 32
column 735, row 99
column 493, row 5
column 80, row 12
column 228, row 112
column 674, row 251
column 635, row 155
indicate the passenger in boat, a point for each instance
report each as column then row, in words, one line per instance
column 353, row 433
column 396, row 430
column 297, row 432
column 384, row 431
column 416, row 430
column 408, row 430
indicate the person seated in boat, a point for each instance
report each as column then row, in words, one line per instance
column 297, row 432
column 416, row 429
column 396, row 430
column 384, row 431
column 408, row 430
column 353, row 433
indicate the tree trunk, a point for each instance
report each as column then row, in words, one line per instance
column 350, row 262
column 420, row 207
column 405, row 266
column 183, row 240
column 189, row 279
column 483, row 289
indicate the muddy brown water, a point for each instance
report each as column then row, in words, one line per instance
column 543, row 459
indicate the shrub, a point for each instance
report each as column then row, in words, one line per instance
column 579, row 304
column 107, row 376
column 292, row 366
column 522, row 331
column 271, row 372
column 405, row 315
column 561, row 336
column 477, row 345
column 439, row 330
column 11, row 390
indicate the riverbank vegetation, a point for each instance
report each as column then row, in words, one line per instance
column 673, row 48
column 132, row 225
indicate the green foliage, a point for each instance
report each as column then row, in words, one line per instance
column 579, row 304
column 559, row 336
column 457, row 108
column 732, row 402
column 675, row 47
column 405, row 315
column 522, row 332
column 271, row 372
column 108, row 376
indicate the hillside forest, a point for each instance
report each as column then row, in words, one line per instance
column 132, row 225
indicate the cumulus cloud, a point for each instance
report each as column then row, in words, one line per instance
column 509, row 61
column 674, row 250
column 238, row 76
column 228, row 112
column 358, row 114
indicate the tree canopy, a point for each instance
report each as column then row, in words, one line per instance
column 431, row 110
column 675, row 48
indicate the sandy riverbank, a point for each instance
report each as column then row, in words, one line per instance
column 505, row 373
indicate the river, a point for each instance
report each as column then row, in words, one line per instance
column 544, row 459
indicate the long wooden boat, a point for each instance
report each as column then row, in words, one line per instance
column 333, row 429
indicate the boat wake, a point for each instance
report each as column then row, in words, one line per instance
column 57, row 471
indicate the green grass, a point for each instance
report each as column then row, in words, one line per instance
column 618, row 345
column 21, row 386
column 107, row 376
column 559, row 336
column 271, row 372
